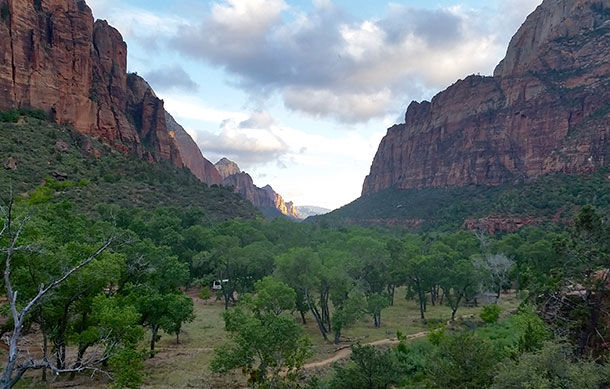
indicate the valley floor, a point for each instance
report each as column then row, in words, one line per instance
column 186, row 365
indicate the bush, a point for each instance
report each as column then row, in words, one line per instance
column 491, row 313
column 462, row 361
column 11, row 116
column 128, row 366
column 437, row 334
column 205, row 293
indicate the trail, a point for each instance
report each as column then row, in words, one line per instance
column 345, row 351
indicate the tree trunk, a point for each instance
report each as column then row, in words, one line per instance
column 316, row 316
column 422, row 309
column 303, row 316
column 79, row 358
column 153, row 340
column 226, row 301
column 392, row 290
column 45, row 342
column 337, row 336
column 455, row 308
column 13, row 354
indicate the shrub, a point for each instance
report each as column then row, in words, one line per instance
column 205, row 293
column 437, row 334
column 128, row 366
column 11, row 116
column 491, row 313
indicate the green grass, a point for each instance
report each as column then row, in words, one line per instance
column 111, row 178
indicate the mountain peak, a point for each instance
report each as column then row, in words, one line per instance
column 227, row 168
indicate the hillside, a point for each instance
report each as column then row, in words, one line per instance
column 80, row 169
column 552, row 199
column 544, row 113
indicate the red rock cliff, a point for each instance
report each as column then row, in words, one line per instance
column 546, row 109
column 244, row 185
column 53, row 56
column 191, row 154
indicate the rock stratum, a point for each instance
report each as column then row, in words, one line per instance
column 266, row 199
column 545, row 110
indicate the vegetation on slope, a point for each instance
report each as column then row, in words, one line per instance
column 56, row 157
column 550, row 198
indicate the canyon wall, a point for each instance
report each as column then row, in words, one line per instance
column 545, row 110
column 54, row 57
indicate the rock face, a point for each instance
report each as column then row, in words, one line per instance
column 191, row 154
column 226, row 168
column 53, row 56
column 262, row 198
column 546, row 109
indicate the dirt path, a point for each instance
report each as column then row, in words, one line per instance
column 345, row 351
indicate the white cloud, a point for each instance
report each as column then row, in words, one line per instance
column 198, row 110
column 138, row 24
column 329, row 64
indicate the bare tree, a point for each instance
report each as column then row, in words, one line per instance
column 496, row 268
column 18, row 362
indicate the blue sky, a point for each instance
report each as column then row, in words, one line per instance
column 299, row 93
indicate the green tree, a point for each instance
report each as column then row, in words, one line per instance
column 369, row 368
column 268, row 346
column 462, row 361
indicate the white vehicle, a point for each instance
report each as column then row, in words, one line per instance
column 217, row 285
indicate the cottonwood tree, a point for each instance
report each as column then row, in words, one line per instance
column 266, row 342
column 10, row 239
column 299, row 268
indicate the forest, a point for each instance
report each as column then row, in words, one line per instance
column 99, row 290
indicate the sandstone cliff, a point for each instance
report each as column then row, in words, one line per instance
column 546, row 109
column 53, row 56
column 191, row 154
column 227, row 168
column 263, row 198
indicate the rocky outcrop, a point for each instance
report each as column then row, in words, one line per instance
column 262, row 198
column 226, row 168
column 287, row 209
column 191, row 154
column 53, row 56
column 546, row 109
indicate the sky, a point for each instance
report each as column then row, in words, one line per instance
column 300, row 92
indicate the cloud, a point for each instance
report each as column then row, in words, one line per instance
column 328, row 63
column 171, row 78
column 148, row 28
column 195, row 109
column 246, row 142
column 261, row 120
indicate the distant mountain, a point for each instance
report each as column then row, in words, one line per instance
column 306, row 211
column 266, row 199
